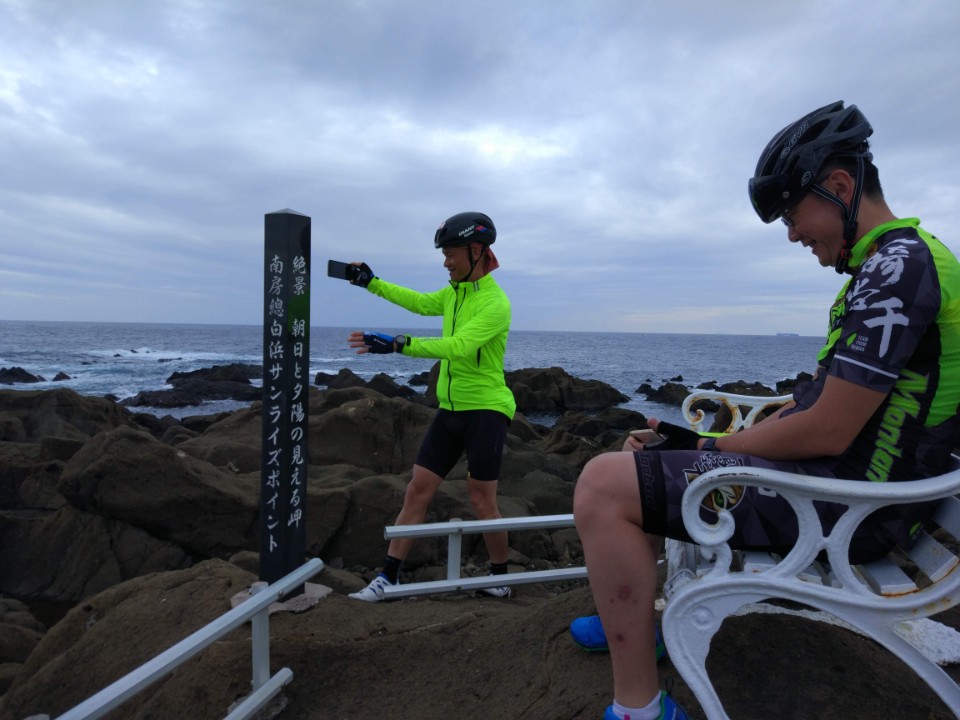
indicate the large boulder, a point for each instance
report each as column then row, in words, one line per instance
column 131, row 476
column 553, row 390
column 30, row 415
column 68, row 554
column 118, row 630
column 363, row 428
column 20, row 633
column 356, row 426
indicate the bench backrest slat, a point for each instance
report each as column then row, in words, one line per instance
column 947, row 516
column 932, row 558
column 885, row 577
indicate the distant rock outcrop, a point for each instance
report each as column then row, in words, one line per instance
column 220, row 382
column 13, row 375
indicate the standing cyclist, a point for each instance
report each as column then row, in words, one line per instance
column 475, row 403
column 882, row 406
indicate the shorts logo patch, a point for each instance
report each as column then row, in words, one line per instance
column 723, row 498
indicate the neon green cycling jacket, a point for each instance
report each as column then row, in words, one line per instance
column 476, row 323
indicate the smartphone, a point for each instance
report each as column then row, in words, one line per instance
column 648, row 437
column 341, row 270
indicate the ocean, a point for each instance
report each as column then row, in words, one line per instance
column 121, row 359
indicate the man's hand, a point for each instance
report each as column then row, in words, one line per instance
column 673, row 437
column 676, row 437
column 362, row 276
column 372, row 342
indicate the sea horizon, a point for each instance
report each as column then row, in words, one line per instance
column 121, row 358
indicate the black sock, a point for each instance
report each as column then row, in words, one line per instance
column 391, row 568
column 498, row 568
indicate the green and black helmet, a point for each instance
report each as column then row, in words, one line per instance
column 788, row 166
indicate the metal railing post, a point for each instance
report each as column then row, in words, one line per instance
column 260, row 644
column 454, row 545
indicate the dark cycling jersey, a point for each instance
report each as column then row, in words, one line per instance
column 895, row 328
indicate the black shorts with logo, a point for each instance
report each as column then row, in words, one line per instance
column 480, row 432
column 765, row 520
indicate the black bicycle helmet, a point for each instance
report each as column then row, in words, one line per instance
column 465, row 228
column 788, row 166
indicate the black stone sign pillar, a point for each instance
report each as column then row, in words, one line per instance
column 286, row 357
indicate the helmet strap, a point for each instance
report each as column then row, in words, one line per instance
column 849, row 215
column 473, row 263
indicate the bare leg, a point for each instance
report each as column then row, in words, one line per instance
column 622, row 566
column 420, row 491
column 483, row 499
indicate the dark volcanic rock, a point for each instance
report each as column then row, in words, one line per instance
column 220, row 382
column 9, row 376
column 669, row 393
column 386, row 385
column 195, row 392
column 34, row 414
column 553, row 390
column 343, row 379
column 235, row 372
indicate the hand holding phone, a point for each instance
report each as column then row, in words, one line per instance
column 341, row 270
column 357, row 274
column 648, row 437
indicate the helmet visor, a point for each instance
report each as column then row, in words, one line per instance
column 770, row 195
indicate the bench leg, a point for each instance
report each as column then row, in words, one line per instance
column 690, row 621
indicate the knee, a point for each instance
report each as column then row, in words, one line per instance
column 417, row 495
column 483, row 503
column 595, row 498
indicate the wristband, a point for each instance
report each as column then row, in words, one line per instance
column 710, row 445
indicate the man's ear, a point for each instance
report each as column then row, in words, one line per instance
column 841, row 184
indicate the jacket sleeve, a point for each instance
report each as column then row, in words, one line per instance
column 416, row 302
column 491, row 319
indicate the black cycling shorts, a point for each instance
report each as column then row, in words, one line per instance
column 480, row 432
column 765, row 520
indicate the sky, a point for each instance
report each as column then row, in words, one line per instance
column 143, row 142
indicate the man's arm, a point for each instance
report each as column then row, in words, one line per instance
column 825, row 429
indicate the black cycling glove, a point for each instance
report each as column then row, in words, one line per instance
column 675, row 438
column 362, row 275
column 379, row 343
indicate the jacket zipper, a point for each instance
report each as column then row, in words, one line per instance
column 453, row 327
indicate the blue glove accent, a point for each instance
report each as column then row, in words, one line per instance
column 379, row 343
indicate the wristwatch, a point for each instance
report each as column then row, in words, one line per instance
column 709, row 445
column 400, row 341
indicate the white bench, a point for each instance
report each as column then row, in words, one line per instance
column 709, row 582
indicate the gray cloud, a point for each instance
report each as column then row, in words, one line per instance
column 610, row 141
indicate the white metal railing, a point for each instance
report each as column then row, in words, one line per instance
column 256, row 610
column 454, row 530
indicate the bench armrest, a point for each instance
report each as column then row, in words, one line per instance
column 734, row 403
column 861, row 497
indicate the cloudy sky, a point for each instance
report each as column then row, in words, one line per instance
column 142, row 142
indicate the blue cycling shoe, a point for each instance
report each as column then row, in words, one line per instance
column 588, row 633
column 669, row 710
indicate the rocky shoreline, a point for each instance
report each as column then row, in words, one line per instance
column 102, row 507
